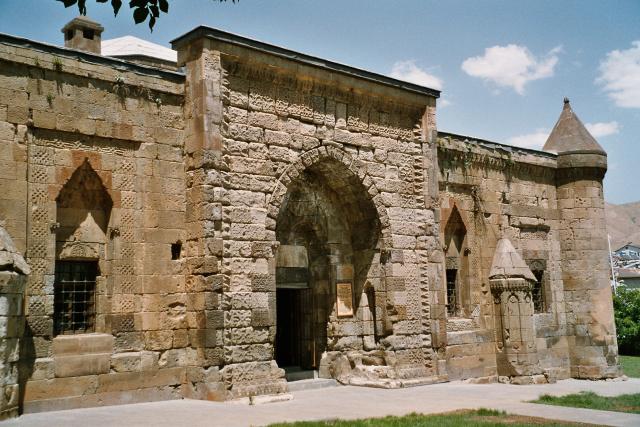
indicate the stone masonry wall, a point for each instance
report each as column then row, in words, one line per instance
column 13, row 274
column 502, row 191
column 182, row 188
column 70, row 120
column 255, row 126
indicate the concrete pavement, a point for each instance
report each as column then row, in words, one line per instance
column 348, row 403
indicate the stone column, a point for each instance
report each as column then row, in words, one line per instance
column 13, row 271
column 517, row 356
column 511, row 283
column 204, row 197
column 585, row 272
column 230, row 259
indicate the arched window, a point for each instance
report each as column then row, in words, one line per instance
column 538, row 268
column 83, row 208
column 455, row 234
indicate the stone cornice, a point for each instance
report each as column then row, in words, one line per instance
column 467, row 154
column 510, row 284
column 254, row 71
column 305, row 64
column 89, row 58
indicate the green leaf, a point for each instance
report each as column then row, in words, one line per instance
column 138, row 3
column 116, row 6
column 152, row 22
column 164, row 6
column 140, row 14
column 154, row 11
column 68, row 3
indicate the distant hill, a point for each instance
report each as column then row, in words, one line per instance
column 623, row 223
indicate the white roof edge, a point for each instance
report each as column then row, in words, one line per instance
column 130, row 45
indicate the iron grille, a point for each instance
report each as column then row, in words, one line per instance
column 537, row 294
column 451, row 292
column 74, row 297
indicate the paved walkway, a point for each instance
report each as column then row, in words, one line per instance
column 348, row 403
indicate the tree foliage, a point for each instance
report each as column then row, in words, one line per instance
column 143, row 10
column 626, row 305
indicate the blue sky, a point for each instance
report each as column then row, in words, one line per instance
column 503, row 66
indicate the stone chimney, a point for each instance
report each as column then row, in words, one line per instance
column 83, row 34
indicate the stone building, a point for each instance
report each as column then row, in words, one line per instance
column 206, row 232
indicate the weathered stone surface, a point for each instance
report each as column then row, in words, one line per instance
column 223, row 209
column 13, row 269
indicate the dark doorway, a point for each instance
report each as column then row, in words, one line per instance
column 294, row 334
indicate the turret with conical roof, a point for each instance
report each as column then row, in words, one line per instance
column 573, row 143
column 581, row 166
column 570, row 135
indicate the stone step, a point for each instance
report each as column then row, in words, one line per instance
column 312, row 384
column 298, row 374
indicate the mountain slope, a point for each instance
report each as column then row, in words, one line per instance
column 623, row 223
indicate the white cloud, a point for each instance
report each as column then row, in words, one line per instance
column 620, row 76
column 533, row 140
column 511, row 66
column 410, row 72
column 598, row 130
column 536, row 140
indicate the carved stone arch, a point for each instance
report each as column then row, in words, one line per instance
column 455, row 227
column 324, row 205
column 455, row 235
column 450, row 212
column 352, row 167
column 83, row 210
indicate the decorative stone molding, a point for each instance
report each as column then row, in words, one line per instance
column 510, row 284
column 353, row 167
column 80, row 251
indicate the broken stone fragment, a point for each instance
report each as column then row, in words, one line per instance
column 10, row 258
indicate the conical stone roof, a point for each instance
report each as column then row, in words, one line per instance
column 508, row 264
column 569, row 134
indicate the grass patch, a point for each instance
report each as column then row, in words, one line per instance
column 478, row 418
column 623, row 403
column 631, row 366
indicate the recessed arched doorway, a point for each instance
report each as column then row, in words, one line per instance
column 328, row 230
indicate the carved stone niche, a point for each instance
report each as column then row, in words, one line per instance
column 86, row 242
column 511, row 284
column 517, row 353
column 79, row 251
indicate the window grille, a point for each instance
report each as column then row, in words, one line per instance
column 451, row 292
column 537, row 293
column 74, row 297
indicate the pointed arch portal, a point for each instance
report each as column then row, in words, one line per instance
column 329, row 230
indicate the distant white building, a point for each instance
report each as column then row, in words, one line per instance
column 141, row 51
column 629, row 251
